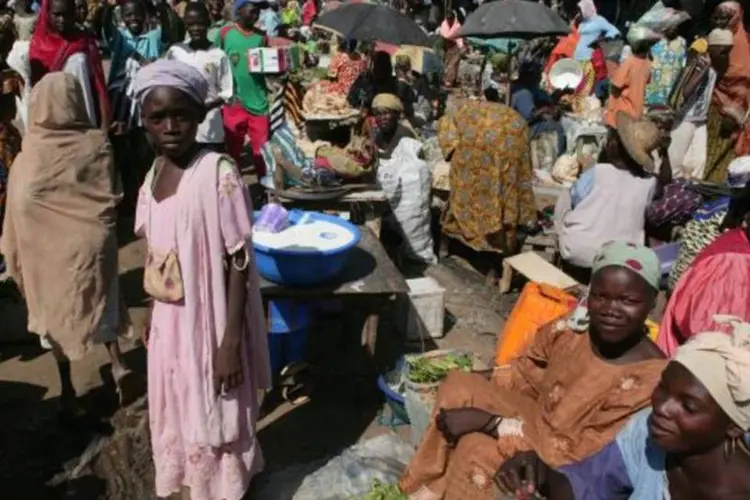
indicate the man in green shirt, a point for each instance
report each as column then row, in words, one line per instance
column 248, row 113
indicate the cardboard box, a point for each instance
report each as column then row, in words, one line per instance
column 267, row 60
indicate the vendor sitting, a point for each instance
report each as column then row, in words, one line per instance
column 387, row 127
column 609, row 201
column 565, row 397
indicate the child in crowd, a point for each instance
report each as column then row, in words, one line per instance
column 207, row 347
column 200, row 53
column 132, row 46
column 248, row 115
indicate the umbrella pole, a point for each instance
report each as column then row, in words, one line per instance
column 509, row 73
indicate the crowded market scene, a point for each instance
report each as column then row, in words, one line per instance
column 410, row 249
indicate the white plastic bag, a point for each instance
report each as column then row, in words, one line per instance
column 352, row 474
column 406, row 181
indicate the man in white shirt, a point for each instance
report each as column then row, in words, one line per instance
column 200, row 53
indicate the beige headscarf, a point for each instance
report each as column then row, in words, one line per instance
column 59, row 232
column 722, row 363
column 389, row 102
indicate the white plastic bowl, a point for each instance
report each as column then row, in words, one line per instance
column 566, row 74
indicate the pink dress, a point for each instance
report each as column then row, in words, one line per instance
column 202, row 440
column 717, row 282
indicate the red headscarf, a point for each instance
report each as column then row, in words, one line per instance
column 48, row 52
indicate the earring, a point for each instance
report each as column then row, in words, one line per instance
column 730, row 446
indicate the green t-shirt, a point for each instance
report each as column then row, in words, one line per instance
column 249, row 88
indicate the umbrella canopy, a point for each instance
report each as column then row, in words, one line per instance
column 371, row 22
column 514, row 19
column 496, row 44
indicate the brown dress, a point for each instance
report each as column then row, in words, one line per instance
column 559, row 399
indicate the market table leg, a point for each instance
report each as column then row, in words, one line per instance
column 370, row 332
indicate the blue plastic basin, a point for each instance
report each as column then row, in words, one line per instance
column 305, row 268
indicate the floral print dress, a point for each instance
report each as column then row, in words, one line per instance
column 668, row 60
column 490, row 178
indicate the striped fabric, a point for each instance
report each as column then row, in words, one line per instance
column 293, row 103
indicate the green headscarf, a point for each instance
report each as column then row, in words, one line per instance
column 638, row 258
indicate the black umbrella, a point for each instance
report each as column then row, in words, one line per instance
column 514, row 19
column 372, row 22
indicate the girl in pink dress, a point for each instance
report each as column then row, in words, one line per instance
column 207, row 350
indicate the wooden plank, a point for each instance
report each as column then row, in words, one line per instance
column 369, row 271
column 535, row 268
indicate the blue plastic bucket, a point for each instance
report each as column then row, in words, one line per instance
column 287, row 339
column 288, row 315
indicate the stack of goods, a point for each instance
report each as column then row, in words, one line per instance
column 325, row 104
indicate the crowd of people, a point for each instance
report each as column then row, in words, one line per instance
column 165, row 134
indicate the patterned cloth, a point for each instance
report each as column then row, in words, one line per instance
column 676, row 205
column 490, row 178
column 569, row 404
column 669, row 58
column 638, row 258
column 344, row 69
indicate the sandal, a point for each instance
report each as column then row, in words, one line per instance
column 296, row 383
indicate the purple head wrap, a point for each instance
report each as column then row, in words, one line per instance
column 176, row 74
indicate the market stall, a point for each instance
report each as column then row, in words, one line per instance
column 368, row 280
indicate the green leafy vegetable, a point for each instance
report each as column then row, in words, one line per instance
column 424, row 370
column 383, row 491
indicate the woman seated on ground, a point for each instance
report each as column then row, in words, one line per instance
column 491, row 197
column 609, row 201
column 564, row 398
column 717, row 281
column 378, row 79
column 688, row 445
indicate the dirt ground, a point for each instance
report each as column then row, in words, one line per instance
column 41, row 460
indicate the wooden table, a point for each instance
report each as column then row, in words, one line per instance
column 364, row 207
column 370, row 278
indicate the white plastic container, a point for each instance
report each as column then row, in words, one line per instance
column 424, row 313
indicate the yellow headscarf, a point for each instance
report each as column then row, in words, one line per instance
column 388, row 102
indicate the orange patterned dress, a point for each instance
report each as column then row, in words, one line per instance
column 490, row 177
column 559, row 399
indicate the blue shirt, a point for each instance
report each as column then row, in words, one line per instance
column 582, row 187
column 123, row 44
column 270, row 21
column 589, row 32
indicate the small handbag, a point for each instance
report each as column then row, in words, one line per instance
column 162, row 276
